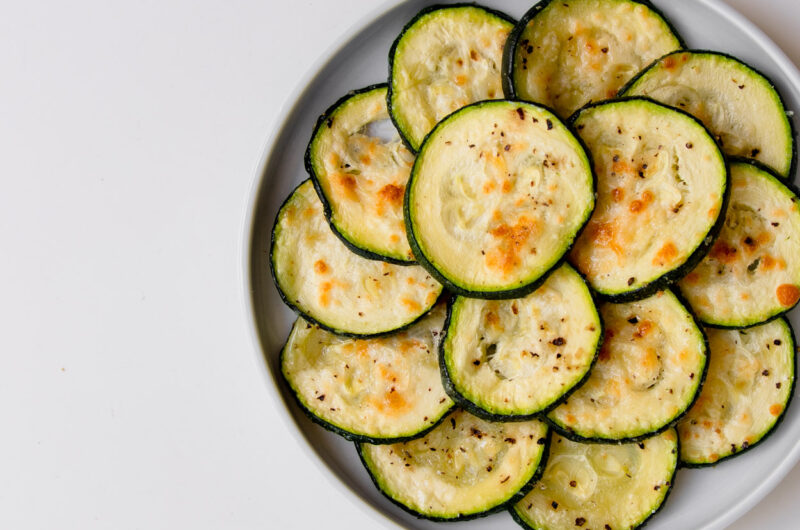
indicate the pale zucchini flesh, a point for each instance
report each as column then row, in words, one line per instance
column 320, row 277
column 515, row 358
column 498, row 193
column 377, row 390
column 739, row 105
column 463, row 468
column 656, row 168
column 648, row 373
column 600, row 486
column 749, row 384
column 752, row 272
column 568, row 54
column 360, row 167
column 446, row 58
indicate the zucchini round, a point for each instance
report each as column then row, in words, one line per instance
column 379, row 390
column 752, row 272
column 566, row 54
column 497, row 194
column 464, row 468
column 601, row 486
column 749, row 385
column 648, row 373
column 657, row 168
column 342, row 292
column 738, row 104
column 510, row 359
column 360, row 171
column 445, row 58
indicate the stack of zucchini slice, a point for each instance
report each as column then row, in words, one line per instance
column 535, row 274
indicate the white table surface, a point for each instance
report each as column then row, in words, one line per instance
column 130, row 394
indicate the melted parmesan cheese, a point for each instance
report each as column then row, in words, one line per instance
column 448, row 58
column 518, row 356
column 385, row 387
column 363, row 175
column 497, row 195
column 747, row 388
column 579, row 51
column 320, row 276
column 601, row 486
column 648, row 371
column 656, row 168
column 740, row 106
column 464, row 466
column 752, row 272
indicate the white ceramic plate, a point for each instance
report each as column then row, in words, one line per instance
column 709, row 498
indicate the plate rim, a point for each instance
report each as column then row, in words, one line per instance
column 246, row 249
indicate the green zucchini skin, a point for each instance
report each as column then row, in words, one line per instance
column 494, row 295
column 671, row 277
column 571, row 435
column 464, row 403
column 286, row 300
column 510, row 49
column 795, row 190
column 523, row 524
column 775, row 426
column 326, row 205
column 502, row 507
column 790, row 176
column 409, row 25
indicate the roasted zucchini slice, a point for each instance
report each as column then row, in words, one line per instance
column 649, row 371
column 601, row 486
column 566, row 54
column 445, row 58
column 750, row 381
column 464, row 468
column 656, row 168
column 752, row 272
column 360, row 168
column 498, row 192
column 739, row 105
column 378, row 390
column 510, row 359
column 319, row 277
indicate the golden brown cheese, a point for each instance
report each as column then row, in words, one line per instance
column 752, row 271
column 656, row 169
column 363, row 175
column 497, row 194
